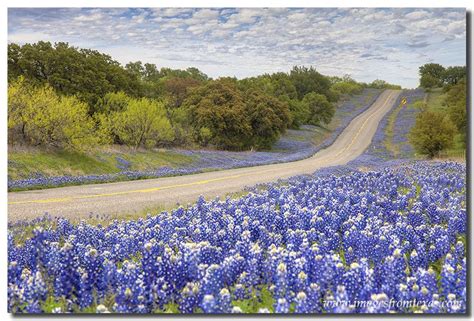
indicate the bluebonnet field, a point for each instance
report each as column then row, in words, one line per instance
column 294, row 145
column 386, row 146
column 396, row 233
column 379, row 230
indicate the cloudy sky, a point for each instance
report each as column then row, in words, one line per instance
column 368, row 44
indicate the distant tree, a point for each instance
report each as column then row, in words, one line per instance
column 283, row 86
column 456, row 104
column 299, row 112
column 142, row 124
column 347, row 88
column 432, row 133
column 431, row 75
column 452, row 75
column 14, row 67
column 320, row 110
column 136, row 69
column 268, row 117
column 307, row 80
column 150, row 73
column 382, row 84
column 427, row 81
column 196, row 74
column 85, row 73
column 217, row 109
column 177, row 89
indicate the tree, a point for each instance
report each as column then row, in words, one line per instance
column 112, row 102
column 177, row 89
column 452, row 75
column 432, row 133
column 142, row 123
column 431, row 75
column 136, row 69
column 268, row 118
column 456, row 104
column 382, row 84
column 308, row 80
column 38, row 116
column 282, row 85
column 218, row 110
column 428, row 81
column 299, row 112
column 347, row 88
column 320, row 110
column 84, row 73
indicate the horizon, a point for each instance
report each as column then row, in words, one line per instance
column 243, row 42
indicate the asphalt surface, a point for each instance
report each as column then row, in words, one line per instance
column 125, row 198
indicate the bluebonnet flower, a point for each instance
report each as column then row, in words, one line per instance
column 344, row 236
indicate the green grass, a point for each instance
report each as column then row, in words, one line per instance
column 25, row 163
column 389, row 130
column 435, row 100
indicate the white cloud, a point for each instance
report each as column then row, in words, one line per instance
column 368, row 43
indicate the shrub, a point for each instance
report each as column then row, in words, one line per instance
column 432, row 133
column 142, row 123
column 320, row 109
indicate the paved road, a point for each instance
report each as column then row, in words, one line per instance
column 137, row 196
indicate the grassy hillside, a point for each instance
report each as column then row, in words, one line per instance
column 25, row 163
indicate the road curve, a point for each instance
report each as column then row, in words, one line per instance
column 135, row 196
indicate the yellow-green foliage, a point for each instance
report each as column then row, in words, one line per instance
column 39, row 117
column 347, row 88
column 432, row 133
column 142, row 123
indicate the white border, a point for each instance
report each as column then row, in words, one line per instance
column 161, row 3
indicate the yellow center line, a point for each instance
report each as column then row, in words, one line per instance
column 159, row 188
column 361, row 128
column 146, row 190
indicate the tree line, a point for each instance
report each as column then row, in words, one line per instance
column 67, row 97
column 435, row 130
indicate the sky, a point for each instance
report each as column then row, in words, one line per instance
column 365, row 43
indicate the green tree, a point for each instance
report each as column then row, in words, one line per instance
column 136, row 69
column 307, row 80
column 382, row 84
column 282, row 86
column 38, row 116
column 320, row 110
column 347, row 88
column 428, row 81
column 84, row 73
column 112, row 102
column 177, row 89
column 456, row 104
column 452, row 75
column 299, row 112
column 432, row 133
column 218, row 106
column 142, row 123
column 268, row 117
column 431, row 75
